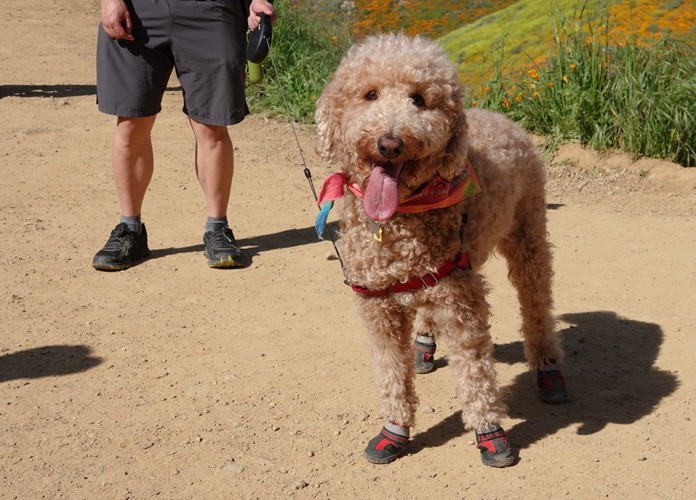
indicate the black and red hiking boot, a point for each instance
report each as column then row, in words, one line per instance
column 551, row 385
column 495, row 450
column 386, row 446
column 424, row 356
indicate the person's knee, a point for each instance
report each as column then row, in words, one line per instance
column 210, row 134
column 132, row 130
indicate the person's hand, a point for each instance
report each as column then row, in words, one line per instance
column 258, row 7
column 116, row 19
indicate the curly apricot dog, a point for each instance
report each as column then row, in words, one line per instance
column 432, row 190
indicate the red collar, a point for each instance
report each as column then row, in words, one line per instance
column 461, row 261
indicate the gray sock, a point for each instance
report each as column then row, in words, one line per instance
column 397, row 429
column 549, row 365
column 425, row 339
column 133, row 222
column 215, row 223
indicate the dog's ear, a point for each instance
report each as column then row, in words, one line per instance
column 327, row 118
column 458, row 145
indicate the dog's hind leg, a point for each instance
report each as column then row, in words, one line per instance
column 530, row 270
column 424, row 346
column 528, row 254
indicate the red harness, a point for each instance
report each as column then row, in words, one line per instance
column 461, row 261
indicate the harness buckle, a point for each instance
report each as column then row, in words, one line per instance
column 435, row 281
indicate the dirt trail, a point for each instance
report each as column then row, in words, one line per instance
column 172, row 380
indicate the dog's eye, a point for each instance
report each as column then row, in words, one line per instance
column 418, row 100
column 371, row 95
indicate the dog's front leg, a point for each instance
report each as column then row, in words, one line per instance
column 460, row 312
column 389, row 326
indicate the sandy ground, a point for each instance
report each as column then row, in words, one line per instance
column 172, row 380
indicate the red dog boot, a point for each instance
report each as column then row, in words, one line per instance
column 551, row 383
column 495, row 450
column 386, row 446
column 424, row 353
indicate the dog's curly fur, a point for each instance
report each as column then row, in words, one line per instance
column 408, row 90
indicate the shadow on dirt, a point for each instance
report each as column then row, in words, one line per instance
column 611, row 378
column 56, row 91
column 438, row 435
column 256, row 245
column 46, row 90
column 610, row 372
column 47, row 361
column 285, row 239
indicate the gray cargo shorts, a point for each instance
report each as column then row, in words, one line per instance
column 203, row 40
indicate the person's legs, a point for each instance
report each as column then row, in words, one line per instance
column 131, row 79
column 132, row 162
column 214, row 165
column 208, row 45
column 214, row 169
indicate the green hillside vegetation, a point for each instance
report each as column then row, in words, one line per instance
column 522, row 31
column 590, row 82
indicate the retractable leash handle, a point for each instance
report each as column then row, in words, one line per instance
column 258, row 45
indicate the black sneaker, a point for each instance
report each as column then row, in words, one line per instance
column 221, row 249
column 123, row 249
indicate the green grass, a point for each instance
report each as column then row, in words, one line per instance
column 303, row 55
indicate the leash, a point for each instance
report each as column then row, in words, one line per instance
column 264, row 33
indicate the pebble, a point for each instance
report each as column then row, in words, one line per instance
column 232, row 467
column 301, row 484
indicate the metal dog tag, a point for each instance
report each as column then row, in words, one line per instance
column 376, row 231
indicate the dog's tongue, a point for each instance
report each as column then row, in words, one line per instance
column 381, row 195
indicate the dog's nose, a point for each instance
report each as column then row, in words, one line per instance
column 390, row 146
